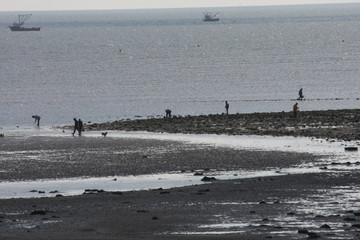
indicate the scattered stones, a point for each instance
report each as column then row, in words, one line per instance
column 319, row 124
column 93, row 191
column 117, row 193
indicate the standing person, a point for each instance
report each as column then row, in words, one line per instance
column 76, row 126
column 168, row 113
column 81, row 127
column 37, row 119
column 295, row 109
column 227, row 107
column 301, row 95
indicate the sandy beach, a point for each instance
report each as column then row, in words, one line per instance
column 323, row 204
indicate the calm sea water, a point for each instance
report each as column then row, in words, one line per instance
column 112, row 65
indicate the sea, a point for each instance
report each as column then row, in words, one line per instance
column 111, row 65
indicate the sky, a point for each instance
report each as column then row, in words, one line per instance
column 41, row 5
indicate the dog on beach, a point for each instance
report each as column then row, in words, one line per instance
column 104, row 134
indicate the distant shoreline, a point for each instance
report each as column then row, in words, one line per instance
column 328, row 124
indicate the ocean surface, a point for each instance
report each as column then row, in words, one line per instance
column 112, row 65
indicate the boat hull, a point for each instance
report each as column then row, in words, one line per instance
column 211, row 20
column 23, row 29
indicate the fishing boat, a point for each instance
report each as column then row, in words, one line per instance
column 209, row 17
column 17, row 26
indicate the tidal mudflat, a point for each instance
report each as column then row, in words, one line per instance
column 308, row 189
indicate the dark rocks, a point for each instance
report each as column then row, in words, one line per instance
column 117, row 193
column 38, row 212
column 319, row 124
column 303, row 231
column 208, row 179
column 325, row 226
column 356, row 213
column 349, row 219
column 165, row 192
column 93, row 191
column 352, row 149
column 141, row 211
column 312, row 235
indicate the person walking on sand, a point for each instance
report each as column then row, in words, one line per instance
column 227, row 107
column 295, row 109
column 81, row 127
column 76, row 126
column 37, row 119
column 301, row 95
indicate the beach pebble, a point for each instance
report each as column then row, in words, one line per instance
column 326, row 226
column 303, row 231
column 38, row 212
column 207, row 179
column 313, row 235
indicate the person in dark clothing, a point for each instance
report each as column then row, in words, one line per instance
column 168, row 112
column 37, row 119
column 76, row 126
column 227, row 107
column 81, row 127
column 301, row 95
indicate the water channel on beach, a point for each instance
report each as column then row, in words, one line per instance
column 334, row 151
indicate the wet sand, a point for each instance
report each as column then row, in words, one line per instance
column 300, row 206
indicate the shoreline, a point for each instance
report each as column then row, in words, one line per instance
column 328, row 124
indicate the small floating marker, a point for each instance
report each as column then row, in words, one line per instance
column 351, row 149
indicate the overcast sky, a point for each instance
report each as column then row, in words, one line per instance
column 34, row 5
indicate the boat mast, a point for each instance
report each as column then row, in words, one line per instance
column 22, row 18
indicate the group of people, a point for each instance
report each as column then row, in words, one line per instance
column 78, row 126
column 295, row 107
